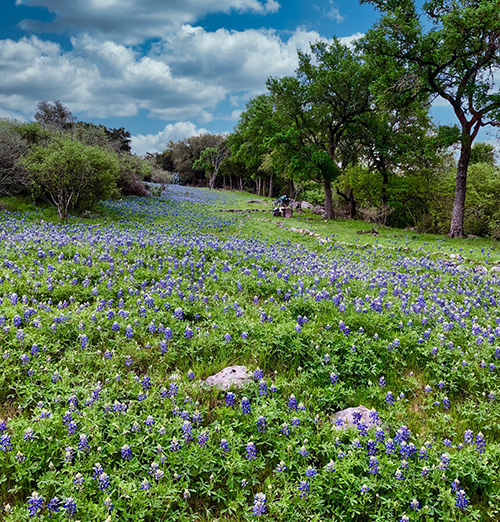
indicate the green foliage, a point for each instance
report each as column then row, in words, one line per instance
column 482, row 209
column 70, row 174
column 451, row 50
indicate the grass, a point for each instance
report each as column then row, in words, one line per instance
column 103, row 320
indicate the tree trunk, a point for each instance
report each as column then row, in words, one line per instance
column 457, row 216
column 263, row 187
column 270, row 195
column 352, row 205
column 351, row 201
column 328, row 198
column 230, row 182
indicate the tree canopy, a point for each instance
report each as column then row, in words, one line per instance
column 451, row 49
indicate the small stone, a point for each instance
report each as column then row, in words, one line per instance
column 231, row 376
column 347, row 417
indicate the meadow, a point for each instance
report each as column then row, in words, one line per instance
column 110, row 325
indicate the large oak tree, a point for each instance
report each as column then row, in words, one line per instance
column 450, row 49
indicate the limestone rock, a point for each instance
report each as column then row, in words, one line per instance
column 318, row 209
column 306, row 206
column 344, row 419
column 231, row 376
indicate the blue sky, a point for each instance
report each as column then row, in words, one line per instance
column 163, row 69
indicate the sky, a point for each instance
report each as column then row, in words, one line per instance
column 163, row 69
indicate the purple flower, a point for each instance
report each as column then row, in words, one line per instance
column 203, row 438
column 83, row 443
column 245, row 406
column 311, row 472
column 126, row 452
column 103, row 481
column 461, row 500
column 259, row 505
column 304, row 487
column 415, row 504
column 174, row 445
column 292, row 403
column 258, row 374
column 35, row 503
column 480, row 443
column 69, row 506
column 5, row 443
column 224, row 446
column 251, row 451
column 262, row 424
column 53, row 505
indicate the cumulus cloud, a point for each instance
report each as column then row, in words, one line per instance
column 184, row 77
column 239, row 60
column 157, row 142
column 133, row 21
column 98, row 79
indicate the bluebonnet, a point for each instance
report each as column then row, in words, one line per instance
column 5, row 442
column 304, row 488
column 35, row 503
column 69, row 505
column 311, row 472
column 461, row 501
column 415, row 504
column 53, row 505
column 259, row 505
column 262, row 424
column 126, row 452
column 251, row 451
column 258, row 374
column 224, row 446
column 203, row 438
column 245, row 406
column 230, row 399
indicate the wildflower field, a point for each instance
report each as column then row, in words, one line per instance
column 109, row 328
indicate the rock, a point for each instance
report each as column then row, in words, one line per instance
column 344, row 419
column 318, row 209
column 231, row 376
column 306, row 206
column 255, row 201
column 480, row 268
column 471, row 236
column 495, row 269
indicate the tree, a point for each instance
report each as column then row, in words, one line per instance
column 452, row 51
column 318, row 108
column 13, row 177
column 482, row 153
column 211, row 160
column 185, row 152
column 54, row 116
column 70, row 174
column 251, row 141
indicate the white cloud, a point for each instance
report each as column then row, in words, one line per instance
column 98, row 79
column 331, row 11
column 239, row 60
column 134, row 21
column 157, row 142
column 184, row 77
